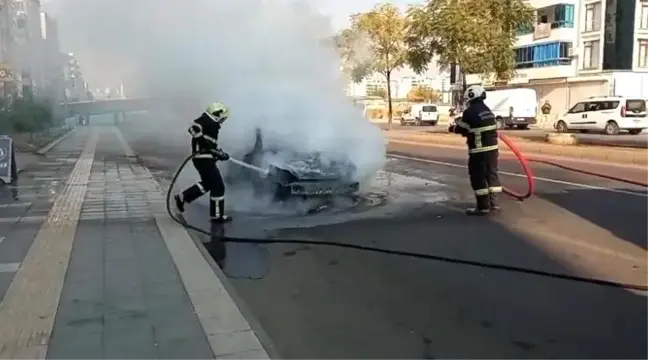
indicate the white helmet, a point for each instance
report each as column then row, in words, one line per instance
column 475, row 92
column 217, row 112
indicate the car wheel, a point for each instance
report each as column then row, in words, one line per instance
column 634, row 131
column 612, row 128
column 561, row 127
column 499, row 123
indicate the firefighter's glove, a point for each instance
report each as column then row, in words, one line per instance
column 221, row 155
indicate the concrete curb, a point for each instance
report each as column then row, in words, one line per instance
column 48, row 147
column 252, row 320
column 248, row 315
column 590, row 153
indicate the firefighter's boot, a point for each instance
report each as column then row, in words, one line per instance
column 217, row 210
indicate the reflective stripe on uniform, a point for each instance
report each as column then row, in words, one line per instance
column 203, row 156
column 462, row 124
column 195, row 130
column 217, row 198
column 495, row 189
column 483, row 149
column 209, row 138
column 481, row 192
column 480, row 130
column 202, row 189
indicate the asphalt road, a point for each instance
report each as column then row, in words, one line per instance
column 623, row 139
column 326, row 302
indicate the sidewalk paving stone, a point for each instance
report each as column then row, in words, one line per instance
column 94, row 274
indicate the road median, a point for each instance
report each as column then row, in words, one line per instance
column 616, row 155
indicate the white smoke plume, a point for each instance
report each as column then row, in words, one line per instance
column 271, row 61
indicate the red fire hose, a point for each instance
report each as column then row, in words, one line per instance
column 524, row 161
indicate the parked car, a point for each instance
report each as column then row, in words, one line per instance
column 610, row 114
column 420, row 114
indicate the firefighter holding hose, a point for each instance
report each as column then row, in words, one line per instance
column 205, row 151
column 480, row 129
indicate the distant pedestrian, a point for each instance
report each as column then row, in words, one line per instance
column 546, row 114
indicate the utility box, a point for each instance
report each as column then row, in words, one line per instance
column 8, row 169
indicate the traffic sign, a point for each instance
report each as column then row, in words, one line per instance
column 8, row 171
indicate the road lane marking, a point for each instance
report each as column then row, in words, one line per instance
column 9, row 267
column 228, row 332
column 12, row 205
column 29, row 307
column 584, row 186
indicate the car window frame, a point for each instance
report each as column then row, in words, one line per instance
column 571, row 111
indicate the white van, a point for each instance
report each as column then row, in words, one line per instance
column 513, row 107
column 419, row 114
column 610, row 114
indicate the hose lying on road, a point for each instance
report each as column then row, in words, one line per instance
column 459, row 261
column 525, row 160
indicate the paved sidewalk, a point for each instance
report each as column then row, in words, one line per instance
column 92, row 267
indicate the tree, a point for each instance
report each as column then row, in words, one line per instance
column 383, row 31
column 423, row 93
column 477, row 35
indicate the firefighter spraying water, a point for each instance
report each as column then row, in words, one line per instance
column 205, row 153
column 478, row 125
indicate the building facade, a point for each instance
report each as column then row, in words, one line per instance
column 52, row 60
column 76, row 89
column 28, row 46
column 402, row 82
column 581, row 48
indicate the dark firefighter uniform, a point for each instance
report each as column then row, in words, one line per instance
column 205, row 151
column 480, row 129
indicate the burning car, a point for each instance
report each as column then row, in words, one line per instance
column 294, row 174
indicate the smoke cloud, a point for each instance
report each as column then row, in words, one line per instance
column 271, row 61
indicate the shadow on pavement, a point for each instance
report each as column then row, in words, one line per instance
column 628, row 222
column 319, row 302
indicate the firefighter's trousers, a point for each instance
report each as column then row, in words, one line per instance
column 211, row 182
column 484, row 178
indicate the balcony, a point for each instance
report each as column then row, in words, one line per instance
column 552, row 23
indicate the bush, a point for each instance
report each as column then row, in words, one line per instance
column 27, row 116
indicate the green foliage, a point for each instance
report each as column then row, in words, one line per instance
column 26, row 116
column 375, row 42
column 476, row 34
column 385, row 28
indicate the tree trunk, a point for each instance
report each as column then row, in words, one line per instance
column 389, row 100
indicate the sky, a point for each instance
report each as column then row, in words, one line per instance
column 340, row 10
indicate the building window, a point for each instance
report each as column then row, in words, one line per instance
column 642, row 60
column 643, row 22
column 593, row 17
column 591, row 51
column 542, row 55
column 563, row 17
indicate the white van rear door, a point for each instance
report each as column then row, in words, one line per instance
column 429, row 112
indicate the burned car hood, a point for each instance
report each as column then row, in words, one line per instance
column 311, row 166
